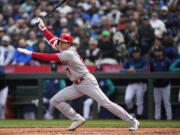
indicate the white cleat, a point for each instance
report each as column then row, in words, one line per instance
column 76, row 124
column 134, row 125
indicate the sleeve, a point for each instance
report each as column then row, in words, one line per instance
column 65, row 56
column 27, row 59
column 125, row 67
column 50, row 38
column 46, row 57
column 10, row 56
column 15, row 56
column 144, row 67
column 163, row 27
column 174, row 68
column 111, row 88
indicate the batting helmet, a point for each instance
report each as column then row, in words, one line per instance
column 65, row 37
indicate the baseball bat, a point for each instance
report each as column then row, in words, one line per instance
column 59, row 4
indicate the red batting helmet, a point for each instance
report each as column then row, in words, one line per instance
column 65, row 37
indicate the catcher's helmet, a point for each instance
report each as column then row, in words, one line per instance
column 65, row 37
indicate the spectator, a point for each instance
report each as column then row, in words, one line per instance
column 19, row 28
column 146, row 34
column 133, row 36
column 20, row 58
column 27, row 5
column 162, row 88
column 6, row 51
column 121, row 52
column 64, row 9
column 158, row 25
column 168, row 20
column 84, row 39
column 51, row 87
column 107, row 47
column 95, row 31
column 32, row 38
column 75, row 30
column 168, row 43
column 92, row 54
column 41, row 47
column 122, row 23
column 63, row 24
column 76, row 43
column 2, row 33
column 82, row 12
column 11, row 22
column 135, row 64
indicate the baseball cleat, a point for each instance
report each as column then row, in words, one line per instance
column 134, row 125
column 76, row 124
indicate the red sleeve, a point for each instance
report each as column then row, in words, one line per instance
column 50, row 38
column 46, row 57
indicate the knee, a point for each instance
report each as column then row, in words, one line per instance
column 157, row 103
column 139, row 103
column 54, row 102
column 167, row 104
column 128, row 101
column 107, row 104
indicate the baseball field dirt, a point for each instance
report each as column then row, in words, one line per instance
column 89, row 131
column 91, row 127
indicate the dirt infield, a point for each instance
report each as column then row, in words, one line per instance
column 89, row 131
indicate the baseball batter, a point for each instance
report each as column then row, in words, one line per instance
column 84, row 83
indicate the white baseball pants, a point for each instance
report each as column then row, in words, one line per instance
column 162, row 94
column 89, row 87
column 86, row 107
column 3, row 98
column 137, row 89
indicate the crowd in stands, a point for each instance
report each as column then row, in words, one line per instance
column 104, row 31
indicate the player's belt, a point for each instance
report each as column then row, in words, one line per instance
column 79, row 81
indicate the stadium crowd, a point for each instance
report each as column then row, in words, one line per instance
column 104, row 31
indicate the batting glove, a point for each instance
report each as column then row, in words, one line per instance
column 25, row 51
column 41, row 25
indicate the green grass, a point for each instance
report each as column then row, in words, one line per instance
column 89, row 123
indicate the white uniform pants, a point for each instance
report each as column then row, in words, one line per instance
column 162, row 94
column 137, row 89
column 86, row 107
column 3, row 98
column 89, row 87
